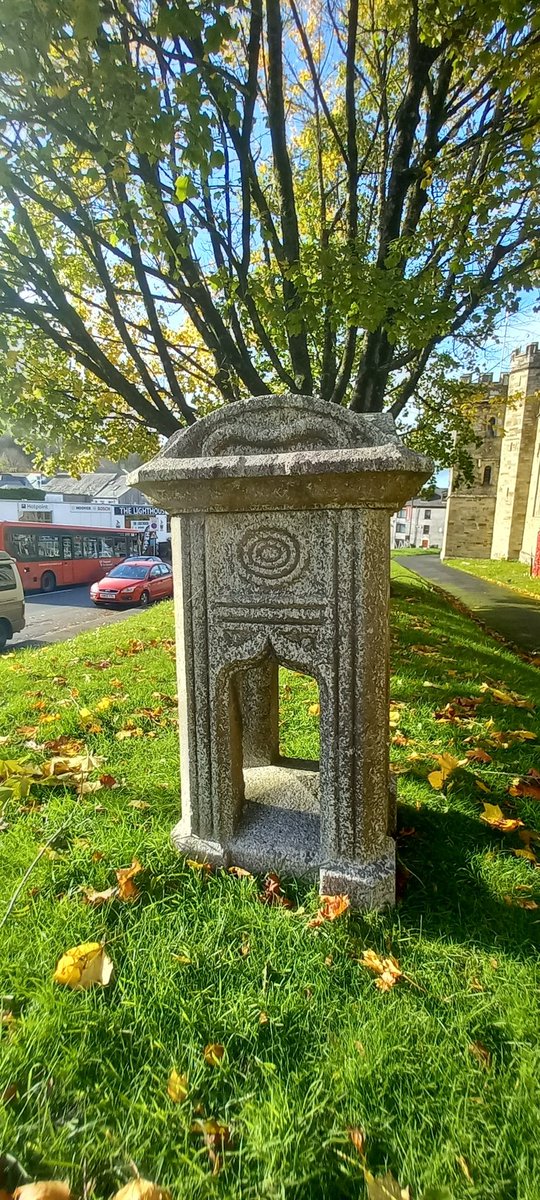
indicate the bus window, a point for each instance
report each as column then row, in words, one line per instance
column 20, row 544
column 66, row 548
column 48, row 546
column 119, row 547
column 90, row 547
column 105, row 547
column 77, row 546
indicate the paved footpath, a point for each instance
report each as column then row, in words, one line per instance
column 516, row 617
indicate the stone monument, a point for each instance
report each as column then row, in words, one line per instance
column 280, row 511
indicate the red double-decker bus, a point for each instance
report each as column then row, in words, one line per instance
column 51, row 556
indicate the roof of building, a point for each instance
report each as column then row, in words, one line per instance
column 90, row 484
column 436, row 502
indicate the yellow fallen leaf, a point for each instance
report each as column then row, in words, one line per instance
column 142, row 1189
column 240, row 873
column 177, row 1087
column 330, row 908
column 447, row 764
column 104, row 704
column 387, row 969
column 463, row 1164
column 493, row 815
column 83, row 966
column 526, row 853
column 314, row 710
column 46, row 1189
column 507, row 697
column 96, row 899
column 385, row 1188
column 213, row 1054
column 198, row 866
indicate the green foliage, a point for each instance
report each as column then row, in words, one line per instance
column 189, row 219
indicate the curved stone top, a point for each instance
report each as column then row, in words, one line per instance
column 280, row 424
column 283, row 451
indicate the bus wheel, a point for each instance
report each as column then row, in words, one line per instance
column 48, row 581
column 144, row 600
column 5, row 633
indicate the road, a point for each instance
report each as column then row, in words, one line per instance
column 514, row 615
column 60, row 615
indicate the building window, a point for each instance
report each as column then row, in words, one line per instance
column 400, row 526
column 402, row 513
column 486, row 477
column 427, row 514
column 425, row 528
column 492, row 427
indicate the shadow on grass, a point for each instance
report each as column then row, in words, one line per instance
column 446, row 892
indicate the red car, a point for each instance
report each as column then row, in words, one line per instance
column 137, row 581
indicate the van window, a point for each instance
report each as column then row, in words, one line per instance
column 7, row 577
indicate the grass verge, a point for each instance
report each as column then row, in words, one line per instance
column 442, row 1072
column 513, row 575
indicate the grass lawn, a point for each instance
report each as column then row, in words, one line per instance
column 514, row 575
column 442, row 1073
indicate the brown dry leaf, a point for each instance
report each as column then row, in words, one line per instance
column 528, row 785
column 521, row 902
column 273, row 893
column 330, row 908
column 478, row 755
column 177, row 1087
column 213, row 1054
column 47, row 1189
column 399, row 739
column 481, row 1054
column 240, row 873
column 129, row 733
column 385, row 1188
column 217, row 1139
column 142, row 1189
column 127, row 890
column 357, row 1137
column 494, row 816
column 83, row 966
column 66, row 746
column 387, row 969
column 107, row 781
column 396, row 708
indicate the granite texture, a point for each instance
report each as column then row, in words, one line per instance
column 280, row 530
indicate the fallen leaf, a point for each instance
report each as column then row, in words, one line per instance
column 521, row 902
column 217, row 1138
column 463, row 1164
column 177, row 1087
column 96, row 899
column 83, row 966
column 481, row 1054
column 385, row 1188
column 507, row 697
column 314, row 710
column 330, row 908
column 528, row 785
column 399, row 739
column 198, row 866
column 47, row 1189
column 448, row 764
column 66, row 746
column 357, row 1137
column 482, row 787
column 240, row 873
column 213, row 1054
column 494, row 816
column 273, row 893
column 478, row 755
column 127, row 890
column 107, row 781
column 9, row 1093
column 263, row 1018
column 526, row 853
column 142, row 1189
column 140, row 804
column 387, row 969
column 396, row 707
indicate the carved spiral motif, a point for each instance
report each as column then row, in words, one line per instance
column 269, row 554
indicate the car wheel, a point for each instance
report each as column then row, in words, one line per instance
column 5, row 633
column 48, row 581
column 144, row 600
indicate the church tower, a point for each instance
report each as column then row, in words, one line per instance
column 470, row 511
column 517, row 456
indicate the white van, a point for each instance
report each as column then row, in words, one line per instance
column 11, row 599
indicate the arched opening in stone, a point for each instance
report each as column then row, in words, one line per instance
column 275, row 733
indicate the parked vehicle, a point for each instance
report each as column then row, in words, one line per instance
column 51, row 556
column 11, row 599
column 135, row 581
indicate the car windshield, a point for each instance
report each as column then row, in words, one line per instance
column 127, row 571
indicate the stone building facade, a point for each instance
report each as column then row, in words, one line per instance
column 499, row 515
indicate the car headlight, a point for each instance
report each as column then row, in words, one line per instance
column 126, row 591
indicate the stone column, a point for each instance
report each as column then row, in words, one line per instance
column 281, row 510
